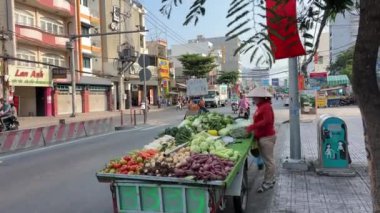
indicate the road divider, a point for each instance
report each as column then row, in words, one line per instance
column 45, row 136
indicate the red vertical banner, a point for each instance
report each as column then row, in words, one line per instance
column 282, row 29
column 301, row 82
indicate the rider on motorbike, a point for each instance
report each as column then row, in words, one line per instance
column 243, row 106
column 5, row 111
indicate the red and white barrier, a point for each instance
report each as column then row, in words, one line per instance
column 96, row 127
column 64, row 132
column 44, row 136
column 23, row 139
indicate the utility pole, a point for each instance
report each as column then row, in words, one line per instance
column 4, row 37
column 295, row 162
column 145, row 99
column 70, row 47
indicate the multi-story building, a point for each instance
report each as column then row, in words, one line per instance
column 343, row 33
column 322, row 57
column 123, row 16
column 229, row 61
column 158, row 49
column 38, row 31
column 204, row 48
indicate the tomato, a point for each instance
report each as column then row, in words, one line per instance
column 116, row 165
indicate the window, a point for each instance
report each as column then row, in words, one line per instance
column 85, row 30
column 27, row 55
column 51, row 26
column 84, row 3
column 142, row 41
column 24, row 18
column 53, row 59
column 86, row 62
column 320, row 59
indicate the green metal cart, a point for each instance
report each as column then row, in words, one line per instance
column 150, row 194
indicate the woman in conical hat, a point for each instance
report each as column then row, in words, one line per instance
column 264, row 133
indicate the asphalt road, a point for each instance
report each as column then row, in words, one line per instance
column 62, row 178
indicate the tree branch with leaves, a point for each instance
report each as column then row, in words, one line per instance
column 197, row 65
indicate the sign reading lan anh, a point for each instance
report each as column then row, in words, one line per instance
column 29, row 76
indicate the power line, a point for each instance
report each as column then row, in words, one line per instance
column 166, row 28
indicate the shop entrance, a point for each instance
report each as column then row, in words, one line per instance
column 40, row 101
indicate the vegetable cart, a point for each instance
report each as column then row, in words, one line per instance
column 142, row 193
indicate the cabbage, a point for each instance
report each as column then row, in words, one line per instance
column 184, row 123
column 195, row 149
column 224, row 131
column 209, row 140
column 203, row 146
column 196, row 122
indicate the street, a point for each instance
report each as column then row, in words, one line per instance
column 62, row 178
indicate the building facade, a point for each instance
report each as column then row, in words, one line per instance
column 322, row 56
column 343, row 33
column 229, row 61
column 37, row 32
column 119, row 16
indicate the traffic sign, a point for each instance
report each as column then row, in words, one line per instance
column 148, row 74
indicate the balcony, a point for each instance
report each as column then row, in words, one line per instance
column 33, row 35
column 59, row 7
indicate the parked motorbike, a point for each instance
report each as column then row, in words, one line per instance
column 10, row 123
column 234, row 107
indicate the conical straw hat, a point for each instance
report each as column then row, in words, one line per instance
column 259, row 92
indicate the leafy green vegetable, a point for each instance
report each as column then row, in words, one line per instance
column 183, row 135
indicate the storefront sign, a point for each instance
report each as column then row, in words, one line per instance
column 59, row 73
column 25, row 76
column 163, row 66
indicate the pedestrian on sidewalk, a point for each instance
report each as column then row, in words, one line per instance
column 264, row 133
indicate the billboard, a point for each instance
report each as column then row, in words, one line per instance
column 318, row 80
column 197, row 87
column 163, row 66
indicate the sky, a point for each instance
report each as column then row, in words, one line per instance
column 213, row 24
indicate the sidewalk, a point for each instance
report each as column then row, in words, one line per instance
column 306, row 191
column 35, row 122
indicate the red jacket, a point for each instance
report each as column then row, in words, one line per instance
column 263, row 121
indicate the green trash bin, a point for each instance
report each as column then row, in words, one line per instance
column 333, row 155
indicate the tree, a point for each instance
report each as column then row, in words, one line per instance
column 197, row 65
column 343, row 63
column 364, row 78
column 229, row 78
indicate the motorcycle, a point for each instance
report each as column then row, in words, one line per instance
column 244, row 113
column 11, row 123
column 234, row 107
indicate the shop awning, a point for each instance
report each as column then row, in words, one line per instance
column 337, row 80
column 89, row 80
column 181, row 85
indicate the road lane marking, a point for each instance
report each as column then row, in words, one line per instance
column 153, row 127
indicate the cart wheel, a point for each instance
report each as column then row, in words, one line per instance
column 240, row 202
